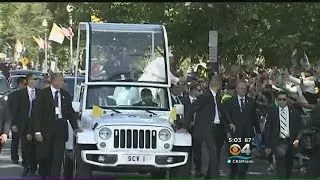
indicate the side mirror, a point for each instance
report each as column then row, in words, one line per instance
column 76, row 106
column 179, row 109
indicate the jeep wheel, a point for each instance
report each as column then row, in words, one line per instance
column 80, row 168
column 181, row 172
column 67, row 166
column 160, row 174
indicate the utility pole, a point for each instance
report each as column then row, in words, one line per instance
column 70, row 8
column 213, row 62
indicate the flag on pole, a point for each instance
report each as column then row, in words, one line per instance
column 173, row 114
column 43, row 44
column 97, row 111
column 56, row 34
column 38, row 41
column 67, row 32
column 96, row 19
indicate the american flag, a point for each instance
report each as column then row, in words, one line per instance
column 67, row 32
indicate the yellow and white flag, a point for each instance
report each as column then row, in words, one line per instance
column 173, row 114
column 37, row 40
column 96, row 19
column 97, row 111
column 56, row 34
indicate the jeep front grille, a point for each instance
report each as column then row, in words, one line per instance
column 134, row 138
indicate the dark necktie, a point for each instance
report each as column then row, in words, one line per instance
column 56, row 98
column 177, row 100
column 242, row 104
column 33, row 96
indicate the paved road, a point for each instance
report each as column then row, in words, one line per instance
column 9, row 170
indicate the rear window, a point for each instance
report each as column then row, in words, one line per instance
column 69, row 84
column 4, row 87
column 14, row 85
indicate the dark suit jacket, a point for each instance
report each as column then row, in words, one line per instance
column 246, row 122
column 173, row 100
column 21, row 110
column 5, row 117
column 187, row 105
column 12, row 99
column 204, row 108
column 272, row 128
column 44, row 117
column 95, row 101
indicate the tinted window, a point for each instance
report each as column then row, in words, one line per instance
column 4, row 87
column 127, row 97
column 14, row 79
column 69, row 84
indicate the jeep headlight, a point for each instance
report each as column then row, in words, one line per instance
column 164, row 134
column 5, row 98
column 105, row 133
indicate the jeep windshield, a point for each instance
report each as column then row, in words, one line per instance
column 123, row 55
column 128, row 97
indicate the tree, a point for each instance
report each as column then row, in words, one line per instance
column 21, row 21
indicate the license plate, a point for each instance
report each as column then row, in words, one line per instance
column 136, row 158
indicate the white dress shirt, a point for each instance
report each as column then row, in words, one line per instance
column 286, row 110
column 30, row 93
column 192, row 99
column 32, row 96
column 216, row 119
column 239, row 101
column 175, row 99
column 59, row 110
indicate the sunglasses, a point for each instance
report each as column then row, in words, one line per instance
column 282, row 99
column 35, row 79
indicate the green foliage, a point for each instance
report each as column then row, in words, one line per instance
column 244, row 28
column 21, row 21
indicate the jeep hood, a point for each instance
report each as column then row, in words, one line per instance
column 131, row 120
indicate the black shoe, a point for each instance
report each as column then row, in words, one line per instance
column 32, row 174
column 15, row 161
column 198, row 174
column 25, row 172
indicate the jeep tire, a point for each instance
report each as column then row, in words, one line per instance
column 184, row 171
column 80, row 168
column 159, row 174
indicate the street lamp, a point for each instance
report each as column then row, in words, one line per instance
column 45, row 25
column 9, row 50
column 70, row 9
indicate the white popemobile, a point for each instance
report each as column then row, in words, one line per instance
column 127, row 76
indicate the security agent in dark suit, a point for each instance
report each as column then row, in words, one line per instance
column 146, row 98
column 53, row 108
column 241, row 113
column 176, row 98
column 282, row 127
column 5, row 122
column 194, row 92
column 22, row 119
column 175, row 94
column 313, row 130
column 15, row 140
column 209, row 122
